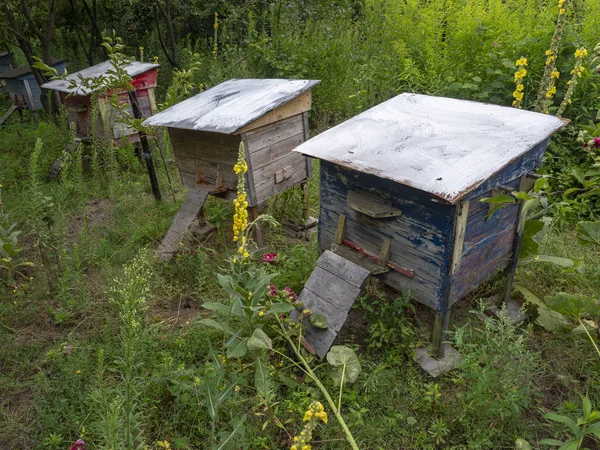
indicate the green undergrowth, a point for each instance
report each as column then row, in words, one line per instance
column 62, row 352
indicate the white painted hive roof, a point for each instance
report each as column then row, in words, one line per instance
column 134, row 68
column 443, row 146
column 230, row 106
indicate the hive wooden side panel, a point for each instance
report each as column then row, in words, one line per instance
column 274, row 166
column 294, row 107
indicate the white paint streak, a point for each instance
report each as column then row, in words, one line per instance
column 231, row 105
column 134, row 68
column 439, row 145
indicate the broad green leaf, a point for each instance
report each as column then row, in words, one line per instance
column 571, row 444
column 588, row 233
column 238, row 428
column 547, row 319
column 554, row 442
column 556, row 260
column 578, row 174
column 214, row 324
column 530, row 243
column 522, row 444
column 573, row 305
column 259, row 341
column 262, row 379
column 236, row 348
column 563, row 419
column 220, row 308
column 344, row 361
column 570, row 191
column 280, row 308
column 587, row 406
column 318, row 321
column 594, row 429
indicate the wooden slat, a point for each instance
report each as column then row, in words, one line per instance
column 192, row 205
column 267, row 190
column 417, row 206
column 424, row 290
column 306, row 138
column 342, row 268
column 371, row 205
column 277, row 150
column 207, row 137
column 276, row 132
column 294, row 107
column 331, row 290
column 403, row 251
column 266, row 174
column 460, row 226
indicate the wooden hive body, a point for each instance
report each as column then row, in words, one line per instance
column 78, row 102
column 5, row 62
column 401, row 186
column 437, row 253
column 23, row 88
column 206, row 154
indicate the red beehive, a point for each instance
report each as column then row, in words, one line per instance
column 76, row 96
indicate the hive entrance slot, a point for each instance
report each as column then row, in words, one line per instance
column 376, row 263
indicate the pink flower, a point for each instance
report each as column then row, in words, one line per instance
column 291, row 294
column 597, row 142
column 269, row 257
column 78, row 445
column 272, row 290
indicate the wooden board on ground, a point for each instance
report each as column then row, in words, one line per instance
column 331, row 291
column 191, row 208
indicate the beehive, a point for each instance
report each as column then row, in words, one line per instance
column 269, row 116
column 400, row 191
column 5, row 61
column 77, row 99
column 22, row 87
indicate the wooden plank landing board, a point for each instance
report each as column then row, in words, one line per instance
column 192, row 205
column 330, row 290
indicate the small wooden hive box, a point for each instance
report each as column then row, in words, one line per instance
column 5, row 62
column 400, row 191
column 269, row 116
column 22, row 87
column 78, row 102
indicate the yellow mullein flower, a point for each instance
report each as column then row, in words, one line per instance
column 561, row 11
column 520, row 75
column 551, row 92
column 555, row 74
column 581, row 53
column 314, row 413
column 576, row 73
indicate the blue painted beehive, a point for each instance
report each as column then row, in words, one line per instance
column 5, row 61
column 23, row 88
column 400, row 190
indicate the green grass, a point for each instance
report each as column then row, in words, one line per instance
column 50, row 363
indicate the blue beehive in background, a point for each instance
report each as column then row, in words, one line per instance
column 5, row 62
column 22, row 87
column 400, row 191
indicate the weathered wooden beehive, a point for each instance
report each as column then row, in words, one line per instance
column 400, row 191
column 5, row 61
column 23, row 89
column 269, row 116
column 77, row 99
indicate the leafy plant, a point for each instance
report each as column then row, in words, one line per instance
column 9, row 248
column 497, row 373
column 588, row 424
